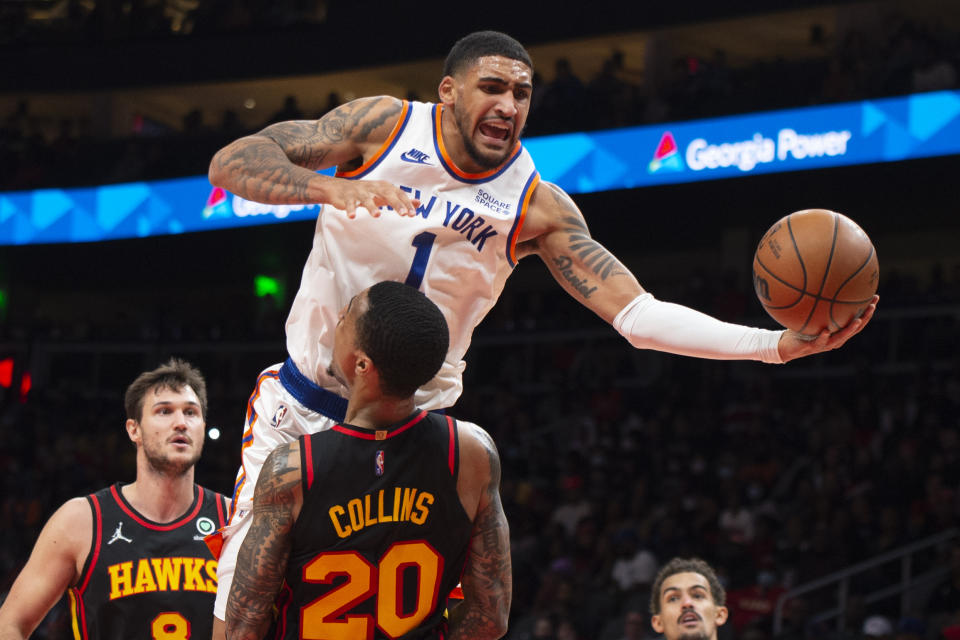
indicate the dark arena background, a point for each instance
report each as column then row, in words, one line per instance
column 829, row 485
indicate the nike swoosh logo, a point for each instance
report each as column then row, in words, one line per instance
column 420, row 160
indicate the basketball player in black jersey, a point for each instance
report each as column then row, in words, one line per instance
column 361, row 531
column 132, row 557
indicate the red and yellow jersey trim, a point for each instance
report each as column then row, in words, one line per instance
column 452, row 446
column 363, row 434
column 152, row 525
column 78, row 612
column 308, row 458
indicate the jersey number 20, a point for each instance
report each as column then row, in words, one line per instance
column 322, row 617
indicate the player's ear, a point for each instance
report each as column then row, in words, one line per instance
column 447, row 90
column 133, row 430
column 656, row 623
column 721, row 615
column 363, row 365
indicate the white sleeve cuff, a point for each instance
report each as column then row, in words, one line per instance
column 648, row 323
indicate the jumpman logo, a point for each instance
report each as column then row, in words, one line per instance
column 118, row 535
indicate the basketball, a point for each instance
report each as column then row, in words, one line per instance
column 814, row 270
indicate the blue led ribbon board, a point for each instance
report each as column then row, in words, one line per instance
column 887, row 130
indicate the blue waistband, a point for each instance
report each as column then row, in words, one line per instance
column 310, row 395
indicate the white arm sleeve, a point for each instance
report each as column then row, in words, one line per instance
column 649, row 323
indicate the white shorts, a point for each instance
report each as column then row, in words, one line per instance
column 278, row 412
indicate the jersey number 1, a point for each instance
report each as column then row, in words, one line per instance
column 424, row 244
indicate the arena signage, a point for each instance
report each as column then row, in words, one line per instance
column 888, row 130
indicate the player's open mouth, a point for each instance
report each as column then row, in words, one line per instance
column 689, row 618
column 180, row 440
column 495, row 130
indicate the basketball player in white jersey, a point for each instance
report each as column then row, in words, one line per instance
column 445, row 198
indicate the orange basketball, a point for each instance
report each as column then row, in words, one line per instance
column 815, row 270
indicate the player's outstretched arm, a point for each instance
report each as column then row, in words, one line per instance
column 487, row 577
column 278, row 165
column 59, row 553
column 263, row 556
column 556, row 231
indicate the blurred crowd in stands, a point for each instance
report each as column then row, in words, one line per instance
column 95, row 21
column 614, row 460
column 902, row 56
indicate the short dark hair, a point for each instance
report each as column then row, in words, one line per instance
column 471, row 47
column 405, row 335
column 687, row 565
column 175, row 374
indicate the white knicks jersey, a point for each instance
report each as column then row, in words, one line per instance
column 459, row 249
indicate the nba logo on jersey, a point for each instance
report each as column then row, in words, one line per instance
column 378, row 462
column 278, row 416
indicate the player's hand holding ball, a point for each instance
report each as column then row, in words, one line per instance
column 816, row 273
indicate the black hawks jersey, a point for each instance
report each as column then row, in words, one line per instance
column 382, row 537
column 147, row 580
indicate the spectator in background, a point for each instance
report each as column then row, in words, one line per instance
column 635, row 625
column 688, row 601
column 289, row 111
column 574, row 506
column 609, row 95
column 736, row 520
column 333, row 101
column 877, row 628
column 934, row 71
column 635, row 566
column 754, row 604
column 564, row 100
column 911, row 628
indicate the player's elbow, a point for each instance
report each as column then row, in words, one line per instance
column 217, row 172
column 242, row 632
column 491, row 628
column 15, row 630
column 499, row 628
column 497, row 621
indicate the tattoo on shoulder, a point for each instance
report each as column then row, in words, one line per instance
column 307, row 143
column 493, row 457
column 563, row 200
column 357, row 120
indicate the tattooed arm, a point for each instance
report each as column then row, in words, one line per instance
column 487, row 577
column 278, row 165
column 557, row 232
column 263, row 555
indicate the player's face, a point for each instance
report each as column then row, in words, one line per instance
column 345, row 340
column 687, row 609
column 490, row 103
column 170, row 431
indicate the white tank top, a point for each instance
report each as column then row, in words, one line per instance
column 458, row 250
